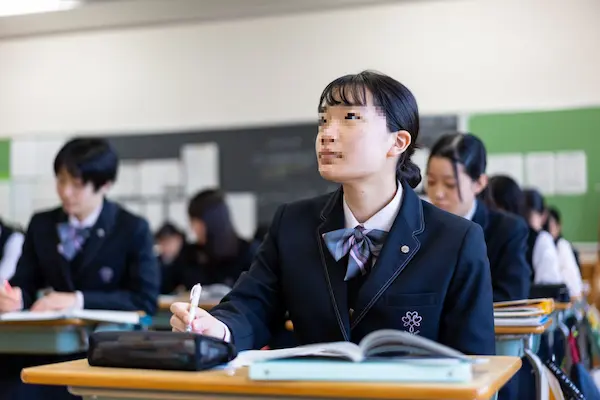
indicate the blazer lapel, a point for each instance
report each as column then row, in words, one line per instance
column 332, row 217
column 400, row 247
column 98, row 234
column 64, row 267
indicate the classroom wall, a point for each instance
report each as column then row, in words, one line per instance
column 456, row 55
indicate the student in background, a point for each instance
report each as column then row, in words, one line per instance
column 457, row 183
column 219, row 255
column 413, row 267
column 169, row 242
column 90, row 253
column 11, row 243
column 541, row 251
column 569, row 265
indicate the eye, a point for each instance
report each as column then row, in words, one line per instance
column 322, row 120
column 352, row 116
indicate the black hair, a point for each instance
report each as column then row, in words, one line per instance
column 554, row 214
column 209, row 206
column 467, row 150
column 395, row 99
column 168, row 229
column 534, row 201
column 507, row 195
column 90, row 159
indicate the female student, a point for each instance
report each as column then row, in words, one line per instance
column 569, row 267
column 456, row 182
column 369, row 256
column 218, row 256
column 541, row 252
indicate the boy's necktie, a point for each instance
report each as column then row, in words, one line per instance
column 71, row 239
column 360, row 243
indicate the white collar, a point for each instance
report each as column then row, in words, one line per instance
column 89, row 221
column 471, row 212
column 382, row 220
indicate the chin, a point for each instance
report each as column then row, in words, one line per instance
column 331, row 174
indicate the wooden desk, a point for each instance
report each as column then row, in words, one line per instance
column 523, row 330
column 112, row 384
column 58, row 337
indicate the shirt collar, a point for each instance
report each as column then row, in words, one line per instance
column 89, row 221
column 382, row 220
column 471, row 212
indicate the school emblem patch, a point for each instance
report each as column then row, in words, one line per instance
column 411, row 321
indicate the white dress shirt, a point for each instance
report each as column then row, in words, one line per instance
column 569, row 268
column 12, row 253
column 546, row 264
column 471, row 212
column 88, row 222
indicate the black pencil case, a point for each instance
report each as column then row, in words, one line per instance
column 158, row 350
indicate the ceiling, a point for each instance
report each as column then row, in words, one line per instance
column 105, row 14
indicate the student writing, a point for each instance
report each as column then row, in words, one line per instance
column 90, row 252
column 372, row 254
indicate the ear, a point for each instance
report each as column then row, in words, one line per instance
column 106, row 187
column 401, row 141
column 481, row 183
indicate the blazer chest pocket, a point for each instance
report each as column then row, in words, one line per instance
column 409, row 300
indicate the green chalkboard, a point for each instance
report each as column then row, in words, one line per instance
column 4, row 159
column 577, row 129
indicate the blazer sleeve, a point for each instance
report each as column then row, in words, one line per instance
column 143, row 286
column 28, row 275
column 511, row 278
column 468, row 314
column 255, row 302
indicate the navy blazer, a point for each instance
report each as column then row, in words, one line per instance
column 116, row 269
column 444, row 278
column 506, row 239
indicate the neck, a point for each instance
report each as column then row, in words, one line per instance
column 366, row 198
column 84, row 214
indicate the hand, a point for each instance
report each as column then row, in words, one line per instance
column 55, row 301
column 11, row 299
column 204, row 323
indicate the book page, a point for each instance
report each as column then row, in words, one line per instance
column 391, row 341
column 344, row 350
column 33, row 316
column 117, row 317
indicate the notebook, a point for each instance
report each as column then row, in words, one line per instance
column 117, row 317
column 528, row 312
column 384, row 355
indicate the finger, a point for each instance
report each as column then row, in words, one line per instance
column 177, row 324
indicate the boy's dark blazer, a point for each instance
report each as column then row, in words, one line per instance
column 116, row 269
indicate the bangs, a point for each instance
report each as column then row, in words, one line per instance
column 349, row 90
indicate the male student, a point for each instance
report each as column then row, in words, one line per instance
column 89, row 253
column 11, row 242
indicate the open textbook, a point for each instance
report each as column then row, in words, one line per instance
column 384, row 355
column 117, row 317
column 385, row 343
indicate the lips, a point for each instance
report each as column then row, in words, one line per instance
column 328, row 155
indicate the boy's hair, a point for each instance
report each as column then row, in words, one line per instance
column 90, row 159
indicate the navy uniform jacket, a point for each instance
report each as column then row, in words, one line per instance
column 506, row 238
column 443, row 277
column 116, row 269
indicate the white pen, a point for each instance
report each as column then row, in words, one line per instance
column 194, row 302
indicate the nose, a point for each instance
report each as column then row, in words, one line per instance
column 329, row 133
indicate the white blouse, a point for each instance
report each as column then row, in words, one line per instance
column 546, row 263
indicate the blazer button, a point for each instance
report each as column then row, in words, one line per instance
column 404, row 249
